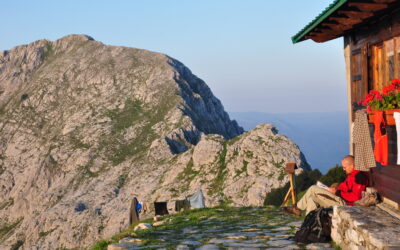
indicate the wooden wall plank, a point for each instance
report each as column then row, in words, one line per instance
column 394, row 196
column 387, row 182
column 391, row 171
column 375, row 33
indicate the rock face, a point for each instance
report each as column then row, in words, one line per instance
column 84, row 127
column 365, row 228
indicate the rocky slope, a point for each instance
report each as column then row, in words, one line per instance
column 84, row 127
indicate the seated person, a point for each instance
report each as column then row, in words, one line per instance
column 347, row 192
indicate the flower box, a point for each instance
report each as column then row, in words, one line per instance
column 388, row 115
column 371, row 116
column 388, row 101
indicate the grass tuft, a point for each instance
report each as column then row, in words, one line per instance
column 9, row 228
column 218, row 182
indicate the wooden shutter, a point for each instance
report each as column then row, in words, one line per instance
column 377, row 67
column 359, row 74
column 365, row 54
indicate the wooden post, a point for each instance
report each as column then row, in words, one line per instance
column 285, row 201
column 290, row 169
column 292, row 190
column 347, row 57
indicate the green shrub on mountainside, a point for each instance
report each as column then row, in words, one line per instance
column 304, row 181
column 6, row 229
column 334, row 175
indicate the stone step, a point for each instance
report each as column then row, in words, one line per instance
column 365, row 228
column 390, row 210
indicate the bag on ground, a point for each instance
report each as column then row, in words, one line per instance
column 197, row 200
column 316, row 227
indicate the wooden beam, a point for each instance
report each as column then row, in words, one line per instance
column 339, row 27
column 384, row 1
column 369, row 6
column 346, row 21
column 356, row 14
column 321, row 31
column 321, row 38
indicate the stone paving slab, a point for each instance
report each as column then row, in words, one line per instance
column 257, row 228
column 244, row 245
column 191, row 243
column 352, row 229
column 208, row 247
column 319, row 246
column 243, row 248
column 290, row 247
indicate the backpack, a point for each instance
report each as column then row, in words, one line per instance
column 139, row 207
column 316, row 226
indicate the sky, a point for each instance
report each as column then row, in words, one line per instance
column 241, row 49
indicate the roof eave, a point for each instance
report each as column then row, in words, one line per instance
column 300, row 36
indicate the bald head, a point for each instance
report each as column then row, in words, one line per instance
column 348, row 163
column 348, row 159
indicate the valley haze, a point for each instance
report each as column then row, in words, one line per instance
column 322, row 136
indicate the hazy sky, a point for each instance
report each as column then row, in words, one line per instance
column 242, row 49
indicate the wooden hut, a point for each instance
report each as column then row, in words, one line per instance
column 371, row 32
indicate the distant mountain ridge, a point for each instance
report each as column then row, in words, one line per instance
column 322, row 136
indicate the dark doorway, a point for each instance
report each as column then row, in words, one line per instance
column 161, row 208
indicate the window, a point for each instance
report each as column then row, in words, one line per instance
column 397, row 57
column 389, row 62
column 373, row 67
column 385, row 63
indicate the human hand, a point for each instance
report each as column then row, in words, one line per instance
column 332, row 190
column 335, row 185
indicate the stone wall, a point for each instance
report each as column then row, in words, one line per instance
column 365, row 228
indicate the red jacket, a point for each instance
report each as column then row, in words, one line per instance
column 350, row 190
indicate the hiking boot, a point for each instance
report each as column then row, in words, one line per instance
column 292, row 210
column 368, row 199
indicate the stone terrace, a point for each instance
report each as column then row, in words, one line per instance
column 365, row 228
column 220, row 228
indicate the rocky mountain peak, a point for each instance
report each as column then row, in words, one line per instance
column 75, row 37
column 84, row 127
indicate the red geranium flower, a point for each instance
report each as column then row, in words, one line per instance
column 389, row 89
column 388, row 99
column 396, row 81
